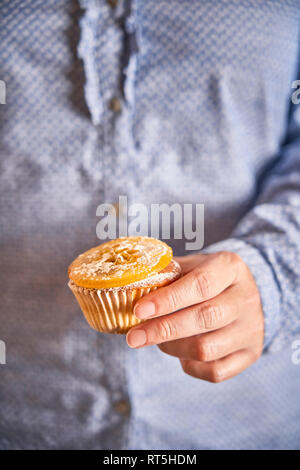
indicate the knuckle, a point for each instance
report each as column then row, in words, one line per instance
column 201, row 281
column 216, row 374
column 231, row 257
column 235, row 260
column 226, row 255
column 165, row 330
column 205, row 350
column 211, row 316
column 186, row 367
column 173, row 300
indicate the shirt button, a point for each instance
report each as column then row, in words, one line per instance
column 122, row 407
column 112, row 3
column 115, row 105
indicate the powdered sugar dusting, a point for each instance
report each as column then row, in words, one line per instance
column 167, row 275
column 124, row 255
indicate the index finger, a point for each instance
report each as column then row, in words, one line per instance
column 211, row 277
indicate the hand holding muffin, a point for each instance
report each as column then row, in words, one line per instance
column 217, row 329
column 109, row 279
column 211, row 318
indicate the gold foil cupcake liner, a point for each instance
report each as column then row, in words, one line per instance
column 109, row 310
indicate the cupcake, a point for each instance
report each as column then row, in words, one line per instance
column 109, row 279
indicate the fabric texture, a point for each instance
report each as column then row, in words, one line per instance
column 206, row 117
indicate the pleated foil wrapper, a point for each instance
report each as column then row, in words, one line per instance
column 109, row 310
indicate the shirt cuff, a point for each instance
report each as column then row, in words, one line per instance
column 265, row 280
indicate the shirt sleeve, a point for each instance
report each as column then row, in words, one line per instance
column 268, row 240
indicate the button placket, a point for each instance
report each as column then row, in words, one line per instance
column 101, row 48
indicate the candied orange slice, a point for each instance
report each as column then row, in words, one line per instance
column 120, row 262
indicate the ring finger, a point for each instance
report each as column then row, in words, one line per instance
column 220, row 370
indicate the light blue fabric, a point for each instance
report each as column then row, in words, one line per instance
column 206, row 118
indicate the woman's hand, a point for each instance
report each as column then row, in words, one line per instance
column 211, row 318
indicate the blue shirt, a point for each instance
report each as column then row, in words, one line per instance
column 206, row 117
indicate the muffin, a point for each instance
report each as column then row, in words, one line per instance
column 109, row 279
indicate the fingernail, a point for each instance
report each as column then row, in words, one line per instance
column 145, row 310
column 136, row 338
